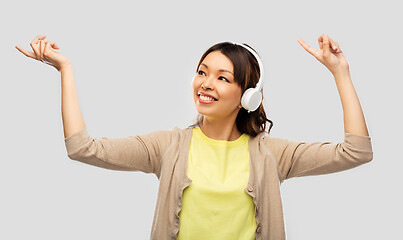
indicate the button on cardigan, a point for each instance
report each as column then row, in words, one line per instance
column 272, row 160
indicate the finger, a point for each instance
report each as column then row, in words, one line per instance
column 42, row 47
column 47, row 53
column 320, row 43
column 34, row 45
column 338, row 48
column 47, row 50
column 326, row 47
column 333, row 44
column 26, row 53
column 54, row 45
column 308, row 48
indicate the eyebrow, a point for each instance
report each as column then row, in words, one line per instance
column 220, row 70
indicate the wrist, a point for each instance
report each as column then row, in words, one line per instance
column 341, row 72
column 66, row 65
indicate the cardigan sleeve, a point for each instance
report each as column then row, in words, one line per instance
column 132, row 153
column 297, row 159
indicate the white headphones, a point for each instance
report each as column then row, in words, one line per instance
column 252, row 97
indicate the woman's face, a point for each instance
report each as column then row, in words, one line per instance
column 216, row 74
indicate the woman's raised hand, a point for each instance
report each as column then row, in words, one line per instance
column 45, row 53
column 329, row 54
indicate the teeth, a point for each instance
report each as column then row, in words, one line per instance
column 206, row 98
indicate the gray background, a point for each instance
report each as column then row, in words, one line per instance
column 133, row 63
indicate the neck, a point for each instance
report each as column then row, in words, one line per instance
column 220, row 129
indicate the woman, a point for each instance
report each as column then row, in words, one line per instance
column 220, row 177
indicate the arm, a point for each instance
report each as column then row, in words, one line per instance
column 354, row 121
column 296, row 159
column 333, row 58
column 71, row 114
column 133, row 153
column 136, row 153
column 73, row 121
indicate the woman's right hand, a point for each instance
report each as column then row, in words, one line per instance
column 45, row 53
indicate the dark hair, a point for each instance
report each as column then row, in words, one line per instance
column 246, row 75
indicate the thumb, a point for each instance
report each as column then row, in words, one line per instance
column 54, row 45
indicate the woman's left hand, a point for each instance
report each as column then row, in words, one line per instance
column 329, row 54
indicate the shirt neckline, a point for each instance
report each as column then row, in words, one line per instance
column 242, row 138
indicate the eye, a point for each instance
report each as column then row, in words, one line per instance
column 200, row 72
column 224, row 79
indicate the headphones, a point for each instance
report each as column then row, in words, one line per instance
column 252, row 97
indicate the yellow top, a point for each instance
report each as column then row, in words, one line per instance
column 215, row 205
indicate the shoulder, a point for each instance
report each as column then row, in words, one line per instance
column 274, row 144
column 164, row 137
column 172, row 135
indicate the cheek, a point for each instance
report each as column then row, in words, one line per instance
column 195, row 83
column 194, row 88
column 232, row 94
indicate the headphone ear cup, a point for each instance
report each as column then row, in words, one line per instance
column 251, row 99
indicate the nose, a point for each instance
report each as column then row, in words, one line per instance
column 208, row 83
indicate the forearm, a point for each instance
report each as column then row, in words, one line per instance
column 71, row 113
column 354, row 120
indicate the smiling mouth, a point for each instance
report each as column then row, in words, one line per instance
column 206, row 98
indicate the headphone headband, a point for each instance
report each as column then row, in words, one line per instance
column 259, row 83
column 252, row 97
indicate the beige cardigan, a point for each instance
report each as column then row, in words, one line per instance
column 272, row 160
